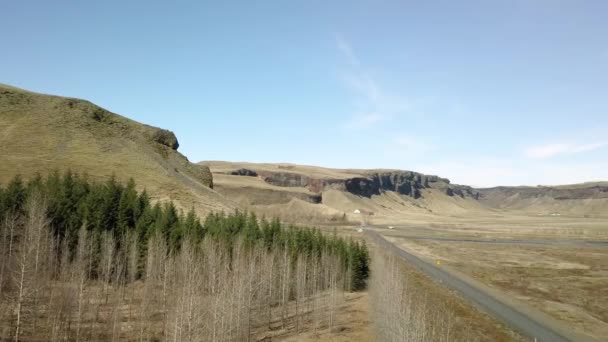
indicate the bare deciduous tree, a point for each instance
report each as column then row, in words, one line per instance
column 92, row 289
column 403, row 309
column 82, row 270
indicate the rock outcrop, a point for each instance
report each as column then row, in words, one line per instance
column 287, row 179
column 557, row 193
column 370, row 183
column 244, row 172
column 167, row 138
column 203, row 175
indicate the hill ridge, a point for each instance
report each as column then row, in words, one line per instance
column 40, row 133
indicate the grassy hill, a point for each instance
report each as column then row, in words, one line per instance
column 585, row 199
column 41, row 133
column 305, row 193
column 311, row 193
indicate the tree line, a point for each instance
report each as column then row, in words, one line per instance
column 83, row 260
column 73, row 201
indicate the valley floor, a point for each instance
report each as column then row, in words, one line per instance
column 558, row 265
column 352, row 325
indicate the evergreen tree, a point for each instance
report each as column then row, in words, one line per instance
column 167, row 221
column 358, row 265
column 111, row 194
column 35, row 185
column 128, row 206
column 92, row 208
column 74, row 202
column 53, row 195
column 193, row 226
column 2, row 207
column 145, row 223
column 143, row 203
column 75, row 191
column 14, row 196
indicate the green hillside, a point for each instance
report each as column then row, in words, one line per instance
column 41, row 133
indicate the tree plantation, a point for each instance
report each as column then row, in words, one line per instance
column 83, row 261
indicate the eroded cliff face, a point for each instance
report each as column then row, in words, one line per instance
column 563, row 193
column 405, row 183
column 370, row 183
column 289, row 179
column 286, row 179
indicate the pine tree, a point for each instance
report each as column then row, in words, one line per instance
column 167, row 221
column 127, row 207
column 145, row 223
column 14, row 196
column 75, row 191
column 52, row 190
column 92, row 208
column 143, row 203
column 252, row 230
column 193, row 227
column 35, row 185
column 112, row 192
column 2, row 207
column 245, row 264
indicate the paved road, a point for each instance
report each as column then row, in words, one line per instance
column 534, row 242
column 510, row 315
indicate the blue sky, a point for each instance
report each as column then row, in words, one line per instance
column 482, row 92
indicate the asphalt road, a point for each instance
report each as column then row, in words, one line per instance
column 510, row 315
column 533, row 242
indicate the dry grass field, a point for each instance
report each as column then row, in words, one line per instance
column 557, row 265
column 352, row 323
column 408, row 305
column 545, row 246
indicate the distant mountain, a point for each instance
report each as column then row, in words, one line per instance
column 314, row 193
column 585, row 199
column 299, row 192
column 41, row 133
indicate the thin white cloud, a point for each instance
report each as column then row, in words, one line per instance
column 363, row 121
column 488, row 172
column 368, row 93
column 552, row 150
column 364, row 85
column 347, row 50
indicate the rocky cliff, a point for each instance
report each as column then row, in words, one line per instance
column 366, row 183
column 560, row 193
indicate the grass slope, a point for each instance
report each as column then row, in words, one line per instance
column 41, row 133
column 577, row 200
column 585, row 199
column 293, row 203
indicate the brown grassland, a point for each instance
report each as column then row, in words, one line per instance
column 560, row 271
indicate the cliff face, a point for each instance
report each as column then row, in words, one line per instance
column 368, row 184
column 402, row 182
column 559, row 193
column 286, row 179
column 586, row 199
